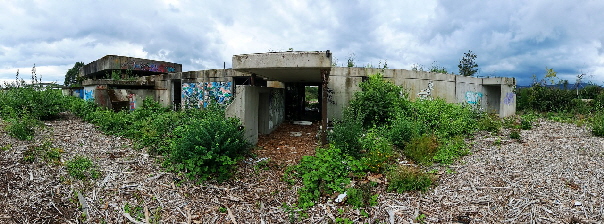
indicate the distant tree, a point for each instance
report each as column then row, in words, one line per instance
column 467, row 65
column 71, row 77
column 437, row 68
column 350, row 60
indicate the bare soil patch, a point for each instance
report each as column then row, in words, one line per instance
column 554, row 174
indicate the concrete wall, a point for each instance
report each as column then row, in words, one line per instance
column 494, row 95
column 260, row 109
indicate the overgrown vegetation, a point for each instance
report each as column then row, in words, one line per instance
column 82, row 168
column 379, row 126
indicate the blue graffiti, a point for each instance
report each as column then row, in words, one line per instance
column 88, row 94
column 201, row 94
column 509, row 98
column 473, row 97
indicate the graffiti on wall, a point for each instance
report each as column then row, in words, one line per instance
column 426, row 93
column 509, row 98
column 473, row 97
column 144, row 65
column 88, row 94
column 201, row 94
column 132, row 101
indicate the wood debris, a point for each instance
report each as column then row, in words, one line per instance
column 538, row 179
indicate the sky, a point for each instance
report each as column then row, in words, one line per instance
column 510, row 38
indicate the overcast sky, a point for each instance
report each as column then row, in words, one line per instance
column 510, row 38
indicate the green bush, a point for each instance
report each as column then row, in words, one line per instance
column 490, row 123
column 346, row 135
column 541, row 98
column 597, row 125
column 361, row 196
column 21, row 128
column 450, row 150
column 378, row 151
column 82, row 168
column 422, row 149
column 208, row 147
column 36, row 102
column 515, row 134
column 378, row 101
column 402, row 130
column 444, row 119
column 408, row 178
column 526, row 124
column 323, row 174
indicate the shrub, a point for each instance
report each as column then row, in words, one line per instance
column 378, row 101
column 526, row 124
column 422, row 149
column 379, row 151
column 208, row 147
column 82, row 168
column 408, row 178
column 35, row 102
column 22, row 129
column 402, row 130
column 597, row 125
column 323, row 174
column 450, row 150
column 346, row 135
column 490, row 123
column 515, row 134
column 444, row 119
column 361, row 195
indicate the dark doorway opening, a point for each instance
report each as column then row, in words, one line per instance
column 303, row 101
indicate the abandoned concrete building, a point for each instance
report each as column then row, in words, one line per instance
column 265, row 89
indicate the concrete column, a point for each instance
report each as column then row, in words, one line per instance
column 325, row 78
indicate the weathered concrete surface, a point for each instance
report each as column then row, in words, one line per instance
column 494, row 95
column 113, row 62
column 292, row 66
column 260, row 109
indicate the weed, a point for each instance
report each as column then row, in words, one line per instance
column 323, row 174
column 222, row 209
column 450, row 150
column 597, row 125
column 489, row 123
column 515, row 134
column 346, row 135
column 526, row 124
column 82, row 168
column 344, row 220
column 22, row 129
column 6, row 147
column 422, row 149
column 421, row 218
column 361, row 196
column 497, row 142
column 408, row 178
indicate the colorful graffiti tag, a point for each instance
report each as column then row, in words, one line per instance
column 473, row 97
column 143, row 65
column 201, row 94
column 132, row 101
column 88, row 94
column 509, row 98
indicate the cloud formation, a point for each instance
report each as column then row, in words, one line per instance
column 511, row 38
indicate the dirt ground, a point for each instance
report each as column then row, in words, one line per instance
column 554, row 174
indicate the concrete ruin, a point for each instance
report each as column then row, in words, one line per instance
column 265, row 89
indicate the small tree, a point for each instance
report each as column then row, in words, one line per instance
column 467, row 65
column 71, row 77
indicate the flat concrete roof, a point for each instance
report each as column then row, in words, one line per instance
column 137, row 65
column 289, row 66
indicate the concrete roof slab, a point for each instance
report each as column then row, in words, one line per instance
column 290, row 66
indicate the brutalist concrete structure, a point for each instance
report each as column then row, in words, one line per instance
column 265, row 89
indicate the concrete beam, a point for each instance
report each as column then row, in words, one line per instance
column 291, row 66
column 113, row 62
